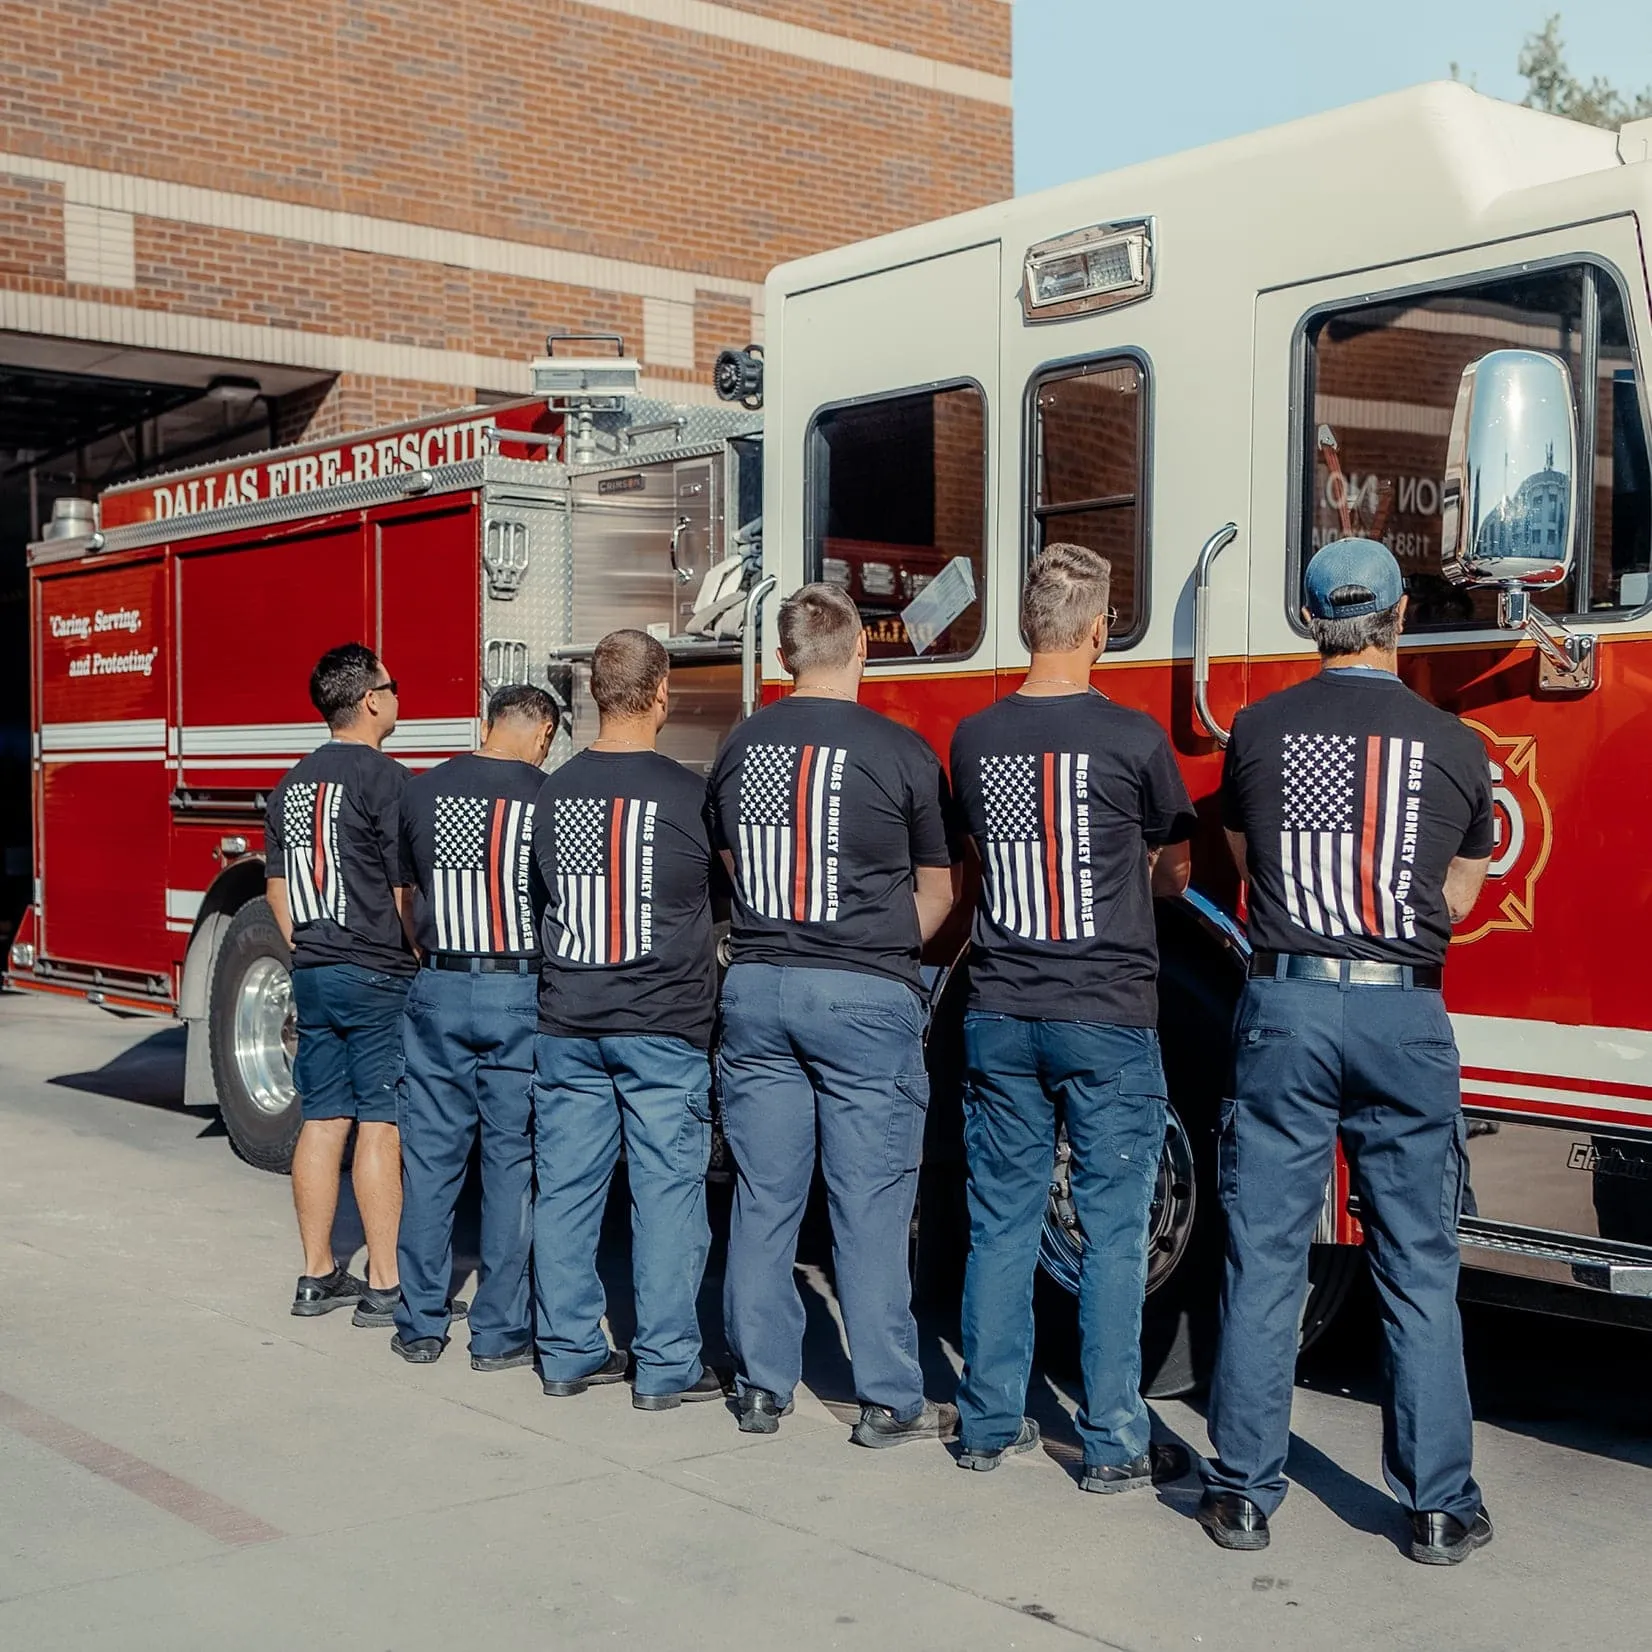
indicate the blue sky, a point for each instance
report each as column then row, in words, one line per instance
column 1103, row 83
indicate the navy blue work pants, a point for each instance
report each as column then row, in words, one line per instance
column 468, row 1046
column 1106, row 1083
column 589, row 1094
column 1379, row 1064
column 837, row 1052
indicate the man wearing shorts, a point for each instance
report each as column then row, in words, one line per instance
column 332, row 854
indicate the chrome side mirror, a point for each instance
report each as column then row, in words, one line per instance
column 1509, row 502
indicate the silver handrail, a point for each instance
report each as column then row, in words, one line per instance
column 748, row 643
column 1212, row 548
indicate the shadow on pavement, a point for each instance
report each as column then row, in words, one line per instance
column 150, row 1073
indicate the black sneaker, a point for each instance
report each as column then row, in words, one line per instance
column 878, row 1428
column 707, row 1386
column 1162, row 1461
column 759, row 1412
column 1234, row 1522
column 320, row 1296
column 1443, row 1540
column 420, row 1350
column 985, row 1461
column 507, row 1361
column 377, row 1308
column 612, row 1369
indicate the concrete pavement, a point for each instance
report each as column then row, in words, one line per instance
column 182, row 1464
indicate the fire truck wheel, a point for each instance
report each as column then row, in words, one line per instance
column 253, row 1029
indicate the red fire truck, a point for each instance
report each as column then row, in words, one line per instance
column 1423, row 319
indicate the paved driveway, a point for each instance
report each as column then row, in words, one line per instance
column 182, row 1464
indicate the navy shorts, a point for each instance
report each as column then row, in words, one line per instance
column 349, row 1061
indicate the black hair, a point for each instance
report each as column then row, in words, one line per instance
column 522, row 702
column 340, row 682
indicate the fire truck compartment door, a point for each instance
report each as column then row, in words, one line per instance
column 101, row 704
column 919, row 326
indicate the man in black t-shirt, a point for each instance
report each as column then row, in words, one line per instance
column 832, row 821
column 467, row 1034
column 333, row 869
column 1079, row 817
column 1361, row 817
column 626, row 1003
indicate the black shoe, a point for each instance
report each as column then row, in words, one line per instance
column 985, row 1461
column 377, row 1308
column 1443, row 1540
column 877, row 1427
column 759, row 1412
column 1234, row 1522
column 707, row 1386
column 420, row 1351
column 320, row 1296
column 507, row 1361
column 1161, row 1462
column 612, row 1369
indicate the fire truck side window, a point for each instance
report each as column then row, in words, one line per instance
column 1382, row 383
column 1089, row 428
column 897, row 493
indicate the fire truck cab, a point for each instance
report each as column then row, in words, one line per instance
column 1203, row 367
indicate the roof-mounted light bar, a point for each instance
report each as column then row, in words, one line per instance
column 1098, row 268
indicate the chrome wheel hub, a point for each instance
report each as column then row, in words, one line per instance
column 1169, row 1218
column 266, row 1035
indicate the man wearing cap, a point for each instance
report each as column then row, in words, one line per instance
column 1361, row 817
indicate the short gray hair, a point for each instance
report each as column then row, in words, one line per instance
column 1067, row 587
column 1335, row 637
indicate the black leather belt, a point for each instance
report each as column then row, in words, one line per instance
column 481, row 963
column 1353, row 972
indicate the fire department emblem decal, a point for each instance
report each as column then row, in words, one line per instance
column 1525, row 831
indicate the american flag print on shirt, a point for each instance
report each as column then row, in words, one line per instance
column 1037, row 851
column 602, row 909
column 1348, row 843
column 315, row 876
column 479, row 875
column 789, row 829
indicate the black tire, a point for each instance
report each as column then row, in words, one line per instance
column 251, row 998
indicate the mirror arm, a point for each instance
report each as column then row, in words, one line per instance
column 1568, row 652
column 1212, row 548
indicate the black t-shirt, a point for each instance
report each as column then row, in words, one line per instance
column 827, row 807
column 622, row 851
column 1063, row 797
column 333, row 830
column 467, row 846
column 1354, row 795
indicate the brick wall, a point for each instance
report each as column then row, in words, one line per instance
column 584, row 127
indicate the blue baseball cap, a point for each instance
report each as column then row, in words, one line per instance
column 1362, row 565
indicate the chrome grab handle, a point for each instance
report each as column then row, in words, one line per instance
column 681, row 526
column 748, row 643
column 1212, row 548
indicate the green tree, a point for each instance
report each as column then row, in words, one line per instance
column 1552, row 87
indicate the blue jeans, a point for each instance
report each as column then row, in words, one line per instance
column 1380, row 1064
column 468, row 1045
column 841, row 1052
column 1106, row 1083
column 588, row 1093
column 349, row 1041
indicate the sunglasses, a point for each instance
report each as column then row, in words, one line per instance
column 388, row 686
